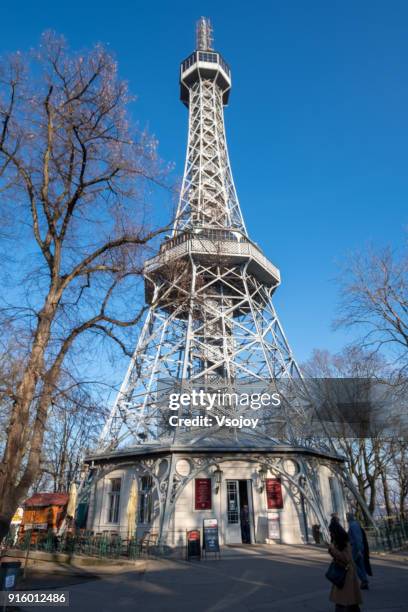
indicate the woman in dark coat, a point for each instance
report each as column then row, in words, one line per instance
column 348, row 598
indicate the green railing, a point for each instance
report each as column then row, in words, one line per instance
column 101, row 546
column 389, row 536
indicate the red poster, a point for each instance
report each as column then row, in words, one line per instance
column 274, row 493
column 203, row 493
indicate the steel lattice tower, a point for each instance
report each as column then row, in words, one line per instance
column 211, row 323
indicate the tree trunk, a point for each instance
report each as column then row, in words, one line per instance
column 403, row 497
column 386, row 490
column 14, row 485
column 373, row 491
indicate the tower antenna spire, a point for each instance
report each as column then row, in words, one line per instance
column 204, row 34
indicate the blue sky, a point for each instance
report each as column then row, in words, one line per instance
column 317, row 124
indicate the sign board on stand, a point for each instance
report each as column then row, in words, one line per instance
column 193, row 544
column 211, row 542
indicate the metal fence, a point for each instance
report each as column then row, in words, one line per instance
column 389, row 536
column 101, row 546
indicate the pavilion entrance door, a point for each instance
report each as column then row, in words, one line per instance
column 239, row 512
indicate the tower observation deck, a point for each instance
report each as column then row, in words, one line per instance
column 209, row 222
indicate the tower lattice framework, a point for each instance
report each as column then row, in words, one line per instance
column 211, row 322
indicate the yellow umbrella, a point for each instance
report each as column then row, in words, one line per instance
column 72, row 500
column 132, row 509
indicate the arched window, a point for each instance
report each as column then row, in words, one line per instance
column 145, row 506
column 114, row 499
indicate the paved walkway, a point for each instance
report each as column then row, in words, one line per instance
column 246, row 579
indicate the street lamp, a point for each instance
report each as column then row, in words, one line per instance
column 262, row 473
column 218, row 478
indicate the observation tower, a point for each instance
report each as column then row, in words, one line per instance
column 212, row 327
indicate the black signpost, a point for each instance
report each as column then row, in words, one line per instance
column 193, row 549
column 211, row 542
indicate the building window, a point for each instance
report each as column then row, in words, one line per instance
column 333, row 494
column 189, row 61
column 114, row 500
column 208, row 57
column 224, row 65
column 145, row 507
column 232, row 502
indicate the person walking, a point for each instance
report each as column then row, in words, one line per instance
column 359, row 548
column 333, row 521
column 245, row 529
column 347, row 598
column 366, row 553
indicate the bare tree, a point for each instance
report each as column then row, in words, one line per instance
column 75, row 182
column 374, row 301
column 398, row 474
column 74, row 424
column 367, row 457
